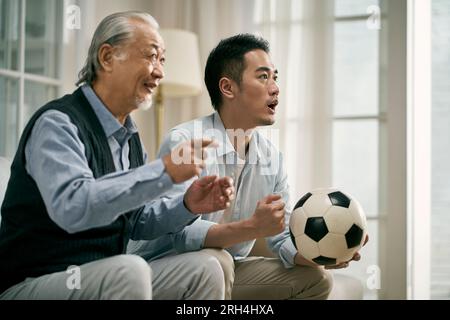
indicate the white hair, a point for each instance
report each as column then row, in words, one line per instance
column 114, row 30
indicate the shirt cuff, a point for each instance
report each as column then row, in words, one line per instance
column 181, row 213
column 154, row 170
column 195, row 235
column 287, row 253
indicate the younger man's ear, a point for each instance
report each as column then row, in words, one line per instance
column 227, row 87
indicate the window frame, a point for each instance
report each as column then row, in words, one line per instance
column 380, row 118
column 419, row 96
column 22, row 77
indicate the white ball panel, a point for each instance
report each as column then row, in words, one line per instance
column 338, row 220
column 333, row 245
column 347, row 256
column 324, row 191
column 357, row 212
column 317, row 205
column 307, row 247
column 297, row 222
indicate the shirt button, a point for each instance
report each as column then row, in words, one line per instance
column 160, row 184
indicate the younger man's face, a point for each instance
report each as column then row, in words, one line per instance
column 258, row 91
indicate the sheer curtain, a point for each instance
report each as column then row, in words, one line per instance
column 296, row 32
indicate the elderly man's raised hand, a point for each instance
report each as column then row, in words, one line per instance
column 187, row 160
column 209, row 194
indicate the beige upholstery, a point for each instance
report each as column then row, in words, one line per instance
column 344, row 287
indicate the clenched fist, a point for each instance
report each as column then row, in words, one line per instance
column 268, row 218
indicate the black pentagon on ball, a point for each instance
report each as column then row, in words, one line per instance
column 316, row 228
column 324, row 261
column 339, row 199
column 354, row 236
column 293, row 238
column 302, row 201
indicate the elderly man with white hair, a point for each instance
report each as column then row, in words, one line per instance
column 80, row 187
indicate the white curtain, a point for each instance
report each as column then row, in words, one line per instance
column 299, row 37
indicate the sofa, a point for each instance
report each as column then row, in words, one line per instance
column 345, row 287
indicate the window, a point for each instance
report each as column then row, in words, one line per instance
column 343, row 79
column 30, row 44
column 357, row 118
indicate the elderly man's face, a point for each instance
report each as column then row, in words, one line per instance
column 139, row 67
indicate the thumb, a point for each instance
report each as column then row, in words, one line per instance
column 203, row 182
column 272, row 197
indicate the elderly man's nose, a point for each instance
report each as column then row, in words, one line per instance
column 158, row 71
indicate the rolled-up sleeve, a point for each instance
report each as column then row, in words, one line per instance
column 192, row 237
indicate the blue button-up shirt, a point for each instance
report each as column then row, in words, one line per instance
column 262, row 174
column 76, row 201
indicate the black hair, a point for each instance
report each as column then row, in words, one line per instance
column 227, row 60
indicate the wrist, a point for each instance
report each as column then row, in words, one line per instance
column 168, row 166
column 190, row 206
column 251, row 228
column 185, row 203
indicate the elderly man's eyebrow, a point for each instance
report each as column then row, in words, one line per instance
column 147, row 49
column 157, row 47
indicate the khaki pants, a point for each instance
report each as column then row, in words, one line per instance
column 119, row 277
column 260, row 278
column 194, row 275
column 200, row 275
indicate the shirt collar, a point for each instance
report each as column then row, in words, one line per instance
column 109, row 123
column 225, row 145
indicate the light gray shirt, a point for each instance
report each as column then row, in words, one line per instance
column 263, row 173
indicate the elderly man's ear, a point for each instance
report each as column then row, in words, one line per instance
column 105, row 57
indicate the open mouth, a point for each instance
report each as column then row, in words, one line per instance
column 150, row 87
column 272, row 106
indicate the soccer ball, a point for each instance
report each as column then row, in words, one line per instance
column 328, row 226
